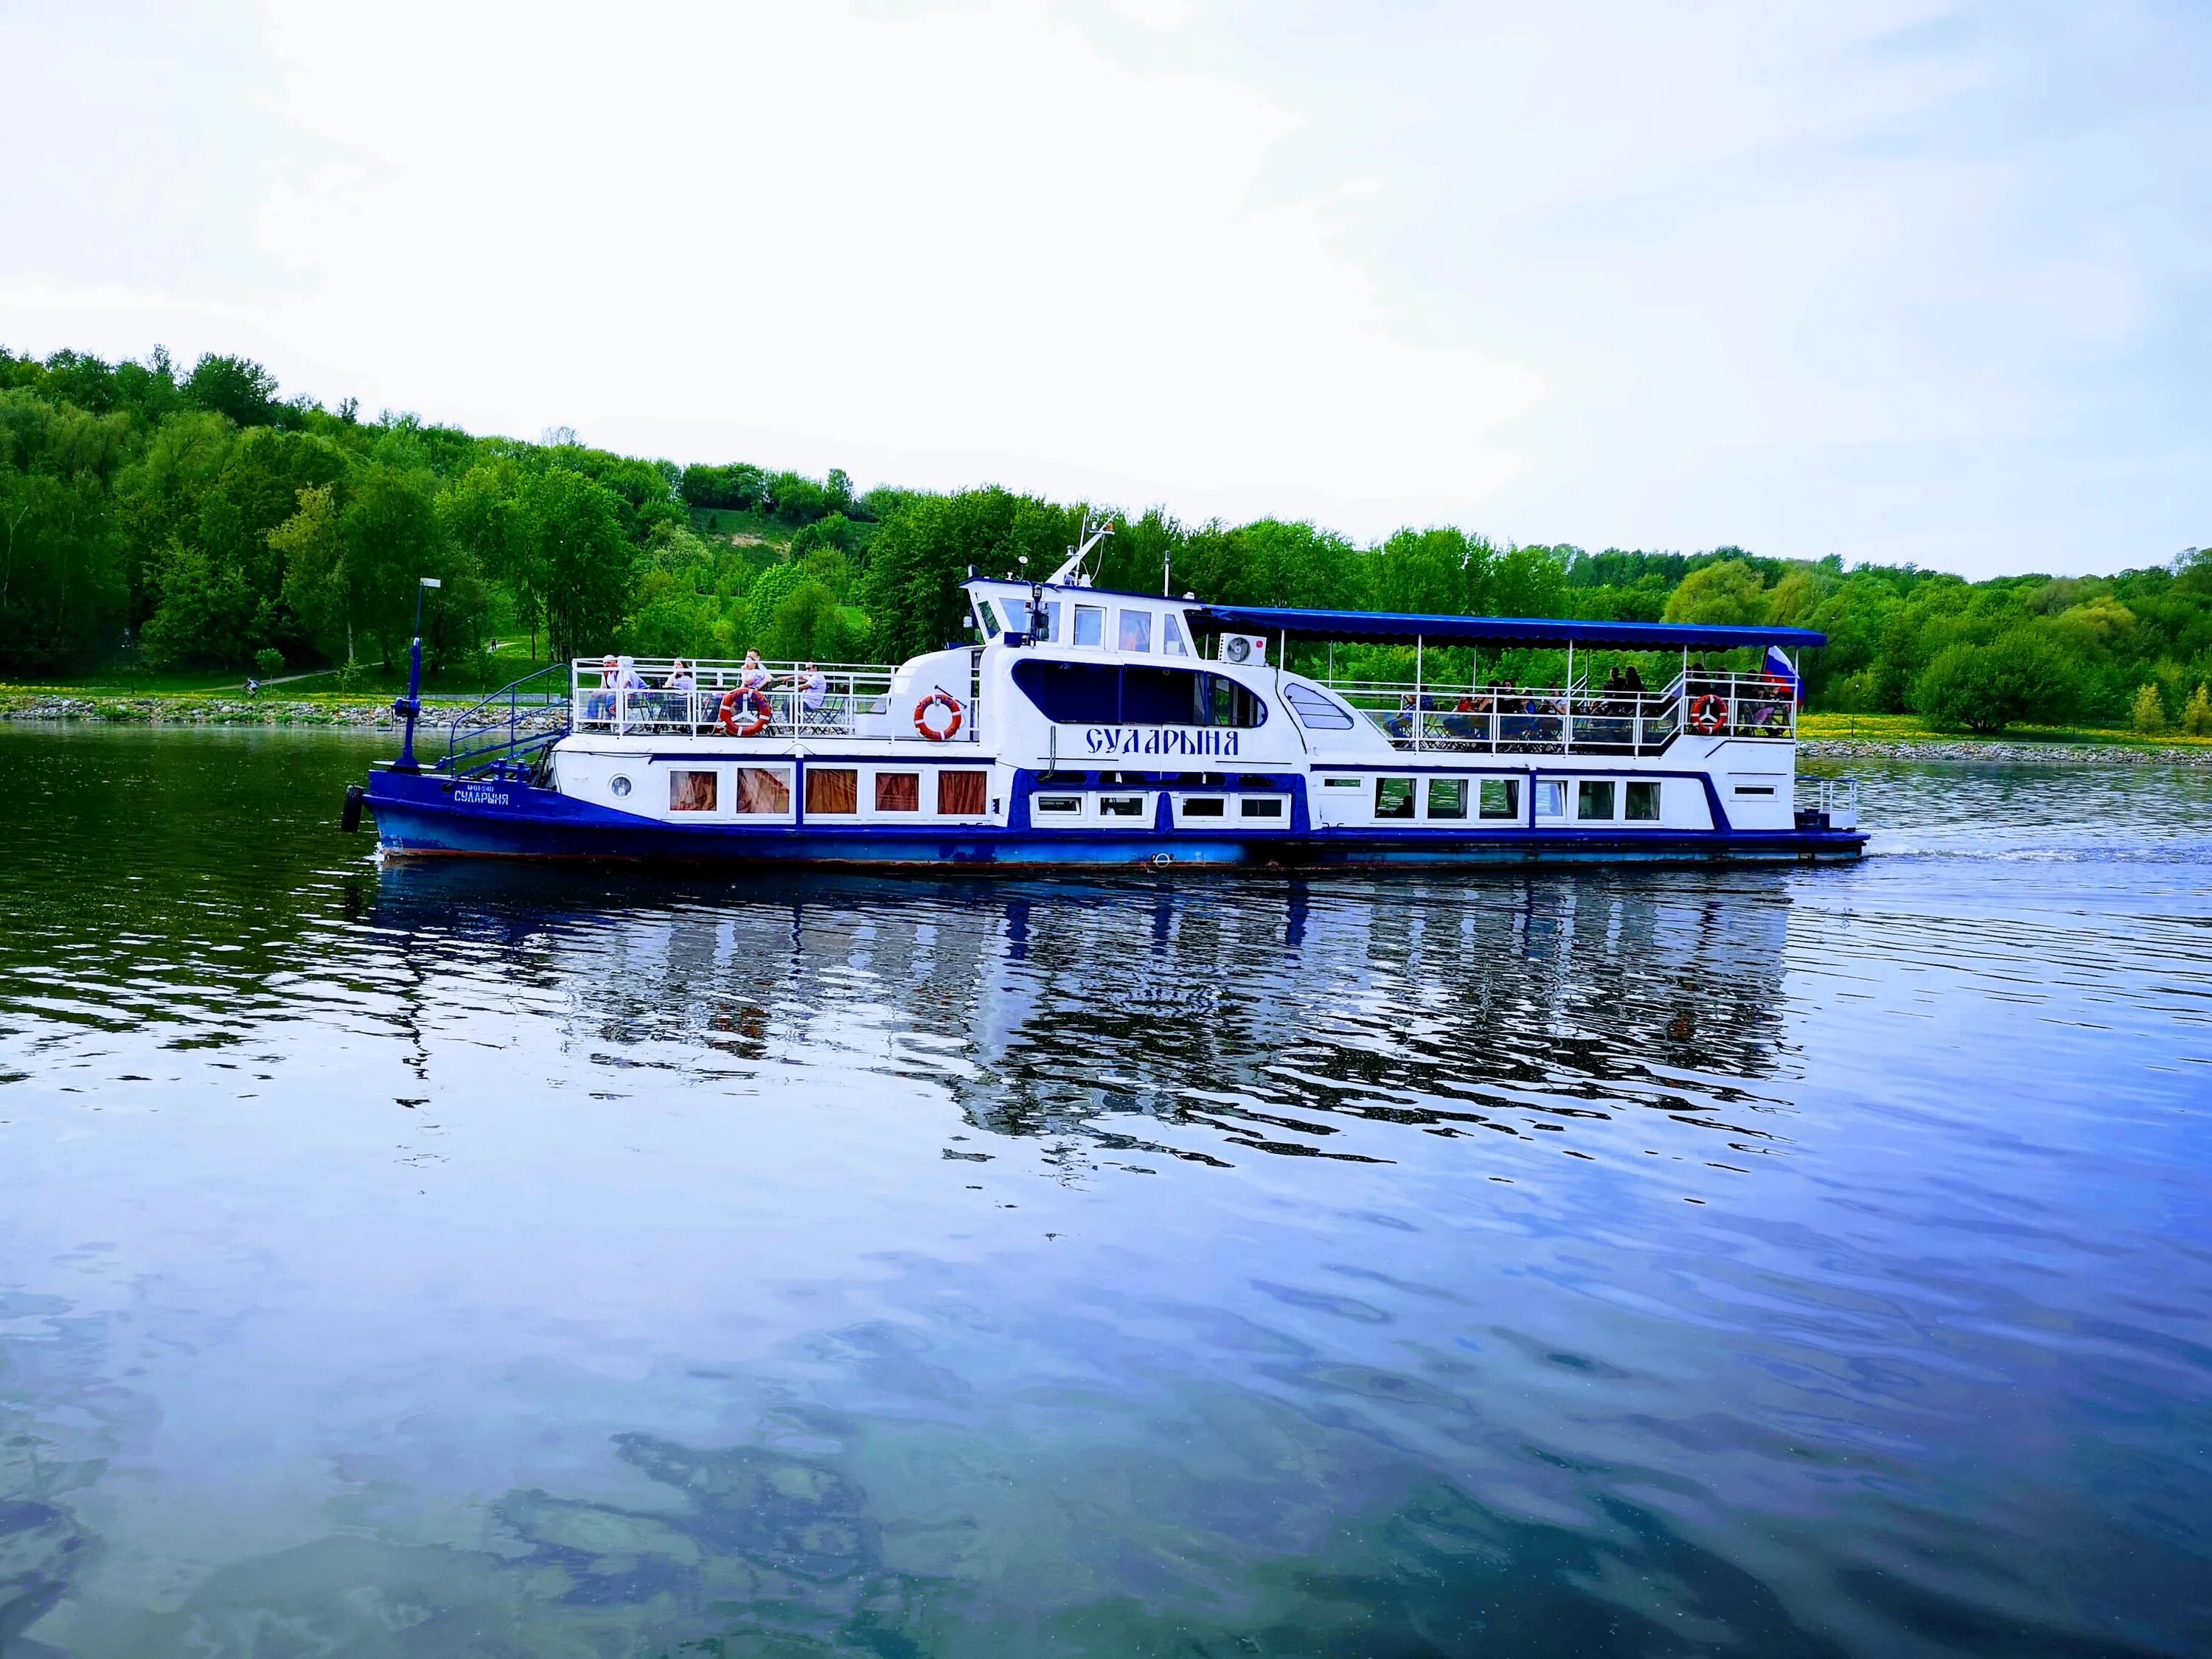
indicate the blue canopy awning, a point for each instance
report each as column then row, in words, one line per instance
column 1400, row 627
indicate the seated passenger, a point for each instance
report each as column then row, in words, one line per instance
column 812, row 686
column 600, row 705
column 675, row 699
column 752, row 677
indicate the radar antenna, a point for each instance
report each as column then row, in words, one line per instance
column 1096, row 527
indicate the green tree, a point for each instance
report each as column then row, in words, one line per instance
column 576, row 536
column 1729, row 594
column 1985, row 688
column 806, row 624
column 484, row 516
column 1530, row 581
column 920, row 553
column 237, row 388
column 318, row 584
column 203, row 613
column 2148, row 714
column 1433, row 571
column 2196, row 717
column 61, row 586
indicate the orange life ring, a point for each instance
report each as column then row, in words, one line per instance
column 937, row 700
column 740, row 698
column 1709, row 714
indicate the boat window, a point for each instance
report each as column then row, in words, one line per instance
column 1161, row 696
column 1593, row 800
column 962, row 794
column 1501, row 798
column 1171, row 643
column 1066, row 807
column 1394, row 798
column 832, row 789
column 1341, row 783
column 1136, row 631
column 763, row 789
column 1260, row 807
column 989, row 613
column 1446, row 797
column 1204, row 806
column 898, row 791
column 1091, row 624
column 1018, row 614
column 1120, row 806
column 1233, row 703
column 1106, row 694
column 692, row 792
column 1754, row 789
column 1316, row 712
column 1551, row 800
column 620, row 785
column 1643, row 803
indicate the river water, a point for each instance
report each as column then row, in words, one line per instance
column 470, row 1260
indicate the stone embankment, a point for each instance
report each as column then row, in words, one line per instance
column 1994, row 752
column 198, row 711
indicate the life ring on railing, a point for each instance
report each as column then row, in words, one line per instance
column 741, row 698
column 1709, row 714
column 937, row 700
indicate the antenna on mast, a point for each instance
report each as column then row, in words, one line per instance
column 1096, row 527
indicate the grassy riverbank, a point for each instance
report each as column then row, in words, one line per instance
column 1907, row 733
column 221, row 700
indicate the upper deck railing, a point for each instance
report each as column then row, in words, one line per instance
column 735, row 699
column 1567, row 720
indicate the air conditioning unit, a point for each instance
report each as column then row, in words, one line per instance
column 1243, row 647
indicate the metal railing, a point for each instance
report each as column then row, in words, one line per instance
column 1836, row 799
column 1555, row 721
column 508, row 731
column 777, row 700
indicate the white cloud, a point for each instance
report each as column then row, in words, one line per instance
column 1812, row 279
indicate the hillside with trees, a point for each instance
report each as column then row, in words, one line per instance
column 201, row 520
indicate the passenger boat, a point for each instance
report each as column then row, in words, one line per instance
column 1080, row 726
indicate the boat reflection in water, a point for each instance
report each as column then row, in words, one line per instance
column 1104, row 1011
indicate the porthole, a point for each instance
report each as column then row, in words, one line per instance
column 621, row 787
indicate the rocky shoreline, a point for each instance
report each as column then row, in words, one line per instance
column 1990, row 751
column 200, row 711
column 366, row 716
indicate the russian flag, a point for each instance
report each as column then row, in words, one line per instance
column 1778, row 668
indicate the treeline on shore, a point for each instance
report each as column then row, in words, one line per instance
column 200, row 520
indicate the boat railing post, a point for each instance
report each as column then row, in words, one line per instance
column 1420, row 715
column 1567, row 707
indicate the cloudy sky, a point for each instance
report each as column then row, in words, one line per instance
column 1896, row 279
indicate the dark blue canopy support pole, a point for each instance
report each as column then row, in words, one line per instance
column 410, row 707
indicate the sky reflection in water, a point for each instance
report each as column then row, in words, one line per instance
column 454, row 1259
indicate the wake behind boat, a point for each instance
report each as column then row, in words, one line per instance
column 1086, row 726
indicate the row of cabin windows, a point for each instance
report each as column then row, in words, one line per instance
column 1115, row 694
column 1136, row 808
column 1133, row 628
column 1595, row 799
column 831, row 791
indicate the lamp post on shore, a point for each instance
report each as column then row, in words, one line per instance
column 410, row 707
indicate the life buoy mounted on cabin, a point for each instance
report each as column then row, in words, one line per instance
column 1709, row 715
column 742, row 698
column 922, row 723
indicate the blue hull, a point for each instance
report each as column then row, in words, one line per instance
column 424, row 814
